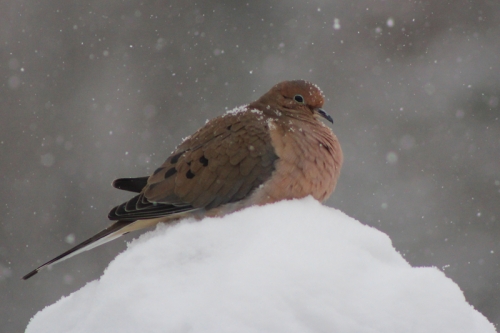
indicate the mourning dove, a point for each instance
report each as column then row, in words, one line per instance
column 273, row 149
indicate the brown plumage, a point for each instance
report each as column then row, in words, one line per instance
column 272, row 149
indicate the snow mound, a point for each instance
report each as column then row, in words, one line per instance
column 293, row 266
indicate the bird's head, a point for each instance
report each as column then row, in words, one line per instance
column 298, row 99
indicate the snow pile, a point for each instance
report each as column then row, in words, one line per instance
column 294, row 266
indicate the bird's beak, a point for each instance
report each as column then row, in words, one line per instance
column 325, row 115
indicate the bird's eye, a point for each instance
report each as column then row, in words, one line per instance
column 298, row 99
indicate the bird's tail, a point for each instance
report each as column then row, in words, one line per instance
column 112, row 232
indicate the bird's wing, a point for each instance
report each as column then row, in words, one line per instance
column 223, row 162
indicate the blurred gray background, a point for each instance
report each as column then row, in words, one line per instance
column 96, row 90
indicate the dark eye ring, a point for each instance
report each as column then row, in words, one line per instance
column 298, row 99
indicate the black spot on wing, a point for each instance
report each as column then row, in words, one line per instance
column 170, row 172
column 189, row 174
column 203, row 161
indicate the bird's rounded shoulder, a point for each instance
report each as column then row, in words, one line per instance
column 241, row 121
column 238, row 118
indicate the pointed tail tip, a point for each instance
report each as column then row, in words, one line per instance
column 30, row 274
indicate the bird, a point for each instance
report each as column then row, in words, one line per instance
column 275, row 148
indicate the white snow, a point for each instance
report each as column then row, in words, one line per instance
column 293, row 266
column 236, row 110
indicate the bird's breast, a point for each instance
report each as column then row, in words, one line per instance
column 309, row 161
